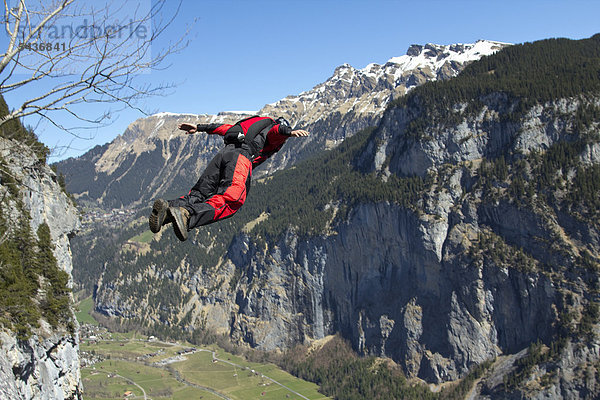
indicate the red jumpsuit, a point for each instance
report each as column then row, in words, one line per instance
column 225, row 183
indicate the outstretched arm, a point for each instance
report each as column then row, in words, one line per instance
column 219, row 129
column 299, row 133
column 188, row 128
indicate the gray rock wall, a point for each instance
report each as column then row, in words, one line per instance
column 46, row 366
column 380, row 283
column 45, row 369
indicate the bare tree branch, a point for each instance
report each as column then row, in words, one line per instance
column 99, row 62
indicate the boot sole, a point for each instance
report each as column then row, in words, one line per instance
column 178, row 226
column 158, row 215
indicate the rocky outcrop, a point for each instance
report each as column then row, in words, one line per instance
column 45, row 366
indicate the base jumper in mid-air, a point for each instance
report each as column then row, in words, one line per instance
column 224, row 185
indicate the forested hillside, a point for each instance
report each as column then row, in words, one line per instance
column 32, row 286
column 524, row 75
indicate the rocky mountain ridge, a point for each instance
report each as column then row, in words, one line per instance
column 371, row 88
column 152, row 158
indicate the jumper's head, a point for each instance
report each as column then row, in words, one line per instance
column 283, row 121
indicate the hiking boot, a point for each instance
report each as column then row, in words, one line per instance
column 159, row 216
column 181, row 218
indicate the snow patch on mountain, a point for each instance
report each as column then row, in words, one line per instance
column 170, row 114
column 435, row 56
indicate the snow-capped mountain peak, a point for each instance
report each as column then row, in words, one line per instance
column 367, row 91
column 435, row 56
column 350, row 100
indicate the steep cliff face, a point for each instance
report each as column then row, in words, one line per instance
column 44, row 365
column 396, row 284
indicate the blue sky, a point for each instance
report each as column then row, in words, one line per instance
column 245, row 54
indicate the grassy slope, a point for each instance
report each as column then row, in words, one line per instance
column 196, row 370
column 83, row 316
